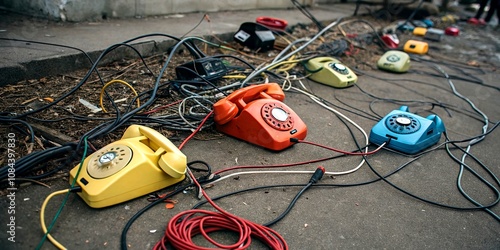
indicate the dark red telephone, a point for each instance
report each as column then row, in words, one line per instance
column 256, row 114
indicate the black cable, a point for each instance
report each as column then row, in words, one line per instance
column 408, row 102
column 370, row 116
column 410, row 17
column 237, row 58
column 207, row 166
column 475, row 80
column 26, row 124
column 290, row 206
column 28, row 162
column 193, row 49
column 307, row 14
column 204, row 80
column 335, row 48
column 426, row 200
column 318, row 174
column 462, row 166
column 396, row 82
column 202, row 180
column 146, row 95
column 127, row 116
column 497, row 193
column 74, row 89
column 73, row 156
column 123, row 238
column 365, row 115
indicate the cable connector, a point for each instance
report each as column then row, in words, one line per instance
column 208, row 178
column 205, row 180
column 294, row 140
column 318, row 174
column 75, row 189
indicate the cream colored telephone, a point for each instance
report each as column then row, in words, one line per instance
column 141, row 162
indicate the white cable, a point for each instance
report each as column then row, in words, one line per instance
column 265, row 172
column 230, row 86
column 318, row 101
column 289, row 47
column 182, row 108
column 260, row 70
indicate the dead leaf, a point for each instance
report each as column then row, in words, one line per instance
column 473, row 63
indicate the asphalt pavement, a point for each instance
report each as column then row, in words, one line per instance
column 420, row 206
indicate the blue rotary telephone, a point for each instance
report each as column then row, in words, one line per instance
column 407, row 132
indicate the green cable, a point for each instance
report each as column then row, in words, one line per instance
column 73, row 183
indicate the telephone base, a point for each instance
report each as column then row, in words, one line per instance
column 143, row 161
column 407, row 132
column 250, row 126
column 94, row 201
column 330, row 71
column 394, row 61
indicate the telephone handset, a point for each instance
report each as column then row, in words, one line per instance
column 141, row 162
column 256, row 114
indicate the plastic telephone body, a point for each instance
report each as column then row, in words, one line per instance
column 407, row 132
column 141, row 162
column 256, row 114
column 419, row 31
column 330, row 71
column 395, row 61
column 416, row 47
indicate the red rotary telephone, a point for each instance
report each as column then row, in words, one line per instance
column 256, row 114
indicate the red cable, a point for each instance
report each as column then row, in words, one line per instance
column 196, row 131
column 185, row 225
column 160, row 108
column 299, row 163
column 274, row 165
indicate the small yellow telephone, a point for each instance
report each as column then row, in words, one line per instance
column 330, row 71
column 141, row 162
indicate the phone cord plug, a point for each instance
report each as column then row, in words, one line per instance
column 388, row 141
column 318, row 174
column 205, row 180
column 75, row 189
column 294, row 140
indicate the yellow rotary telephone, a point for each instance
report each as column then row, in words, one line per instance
column 141, row 162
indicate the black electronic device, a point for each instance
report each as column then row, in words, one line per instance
column 210, row 68
column 255, row 36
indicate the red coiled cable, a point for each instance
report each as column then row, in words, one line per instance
column 184, row 226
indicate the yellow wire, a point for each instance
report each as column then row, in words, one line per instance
column 235, row 76
column 293, row 62
column 42, row 218
column 239, row 76
column 111, row 82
